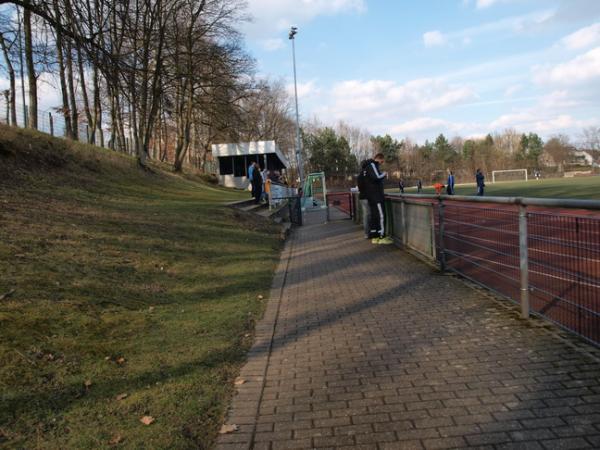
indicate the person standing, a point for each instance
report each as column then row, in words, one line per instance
column 419, row 186
column 257, row 184
column 401, row 186
column 450, row 185
column 250, row 173
column 376, row 197
column 266, row 176
column 479, row 178
column 362, row 197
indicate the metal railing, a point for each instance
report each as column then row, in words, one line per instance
column 541, row 253
column 294, row 209
column 278, row 192
column 342, row 202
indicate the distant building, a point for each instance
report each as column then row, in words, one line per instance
column 233, row 161
column 583, row 158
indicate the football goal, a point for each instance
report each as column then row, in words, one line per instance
column 509, row 175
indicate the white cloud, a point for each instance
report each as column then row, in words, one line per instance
column 433, row 38
column 386, row 97
column 276, row 16
column 581, row 69
column 307, row 89
column 481, row 4
column 585, row 37
column 512, row 90
column 542, row 122
column 514, row 24
column 421, row 124
column 512, row 120
column 47, row 89
column 559, row 99
column 272, row 44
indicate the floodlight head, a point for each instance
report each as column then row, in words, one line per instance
column 293, row 32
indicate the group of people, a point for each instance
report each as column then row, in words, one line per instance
column 479, row 179
column 259, row 180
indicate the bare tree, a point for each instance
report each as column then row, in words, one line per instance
column 6, row 45
column 590, row 138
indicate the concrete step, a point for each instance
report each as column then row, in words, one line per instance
column 254, row 208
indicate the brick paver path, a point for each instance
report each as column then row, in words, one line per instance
column 373, row 349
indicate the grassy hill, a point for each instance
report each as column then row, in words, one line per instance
column 579, row 187
column 123, row 294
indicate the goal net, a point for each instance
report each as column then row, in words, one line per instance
column 509, row 175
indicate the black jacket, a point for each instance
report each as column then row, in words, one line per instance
column 374, row 182
column 257, row 179
column 361, row 182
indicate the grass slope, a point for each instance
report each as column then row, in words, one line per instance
column 579, row 187
column 125, row 282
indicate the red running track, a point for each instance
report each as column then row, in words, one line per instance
column 481, row 241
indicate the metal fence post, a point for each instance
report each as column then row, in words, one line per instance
column 51, row 124
column 524, row 261
column 403, row 230
column 441, row 235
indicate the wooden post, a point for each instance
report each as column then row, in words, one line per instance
column 51, row 124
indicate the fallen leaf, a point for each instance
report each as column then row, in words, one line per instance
column 107, row 358
column 7, row 294
column 147, row 420
column 116, row 439
column 239, row 381
column 87, row 383
column 151, row 308
column 122, row 396
column 120, row 360
column 260, row 297
column 228, row 428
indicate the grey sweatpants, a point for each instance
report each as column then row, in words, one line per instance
column 366, row 215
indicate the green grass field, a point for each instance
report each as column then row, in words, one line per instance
column 580, row 187
column 123, row 294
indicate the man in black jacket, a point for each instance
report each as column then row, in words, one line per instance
column 376, row 197
column 257, row 184
column 362, row 197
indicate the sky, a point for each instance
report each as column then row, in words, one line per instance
column 420, row 68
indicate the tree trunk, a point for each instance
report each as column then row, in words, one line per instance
column 86, row 102
column 31, row 76
column 71, row 86
column 97, row 108
column 66, row 112
column 22, row 66
column 13, row 85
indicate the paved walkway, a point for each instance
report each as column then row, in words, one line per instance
column 366, row 347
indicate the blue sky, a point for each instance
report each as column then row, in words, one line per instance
column 419, row 68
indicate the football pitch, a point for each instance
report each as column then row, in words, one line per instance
column 578, row 187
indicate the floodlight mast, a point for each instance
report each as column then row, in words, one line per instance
column 293, row 32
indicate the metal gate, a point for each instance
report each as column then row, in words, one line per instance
column 340, row 205
column 293, row 209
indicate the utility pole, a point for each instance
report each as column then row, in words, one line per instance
column 293, row 32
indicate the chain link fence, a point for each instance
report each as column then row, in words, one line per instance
column 48, row 121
